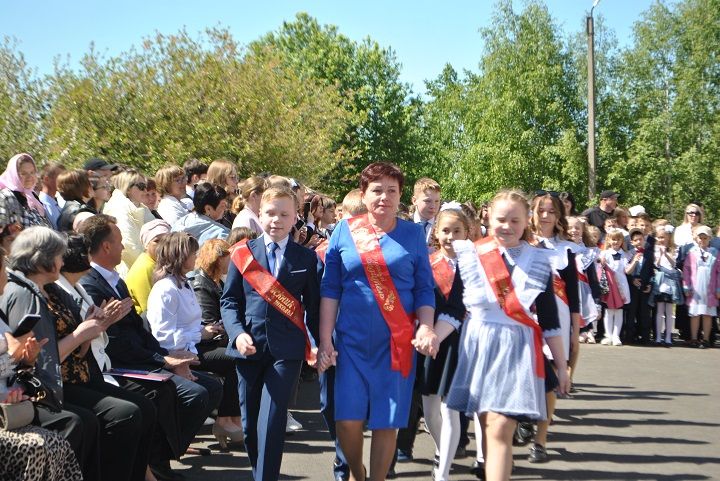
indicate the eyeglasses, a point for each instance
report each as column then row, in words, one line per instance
column 551, row 193
column 692, row 212
column 140, row 185
column 180, row 180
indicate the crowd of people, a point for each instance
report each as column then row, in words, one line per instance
column 137, row 308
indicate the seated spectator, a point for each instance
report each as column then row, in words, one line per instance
column 210, row 205
column 10, row 214
column 151, row 198
column 75, row 188
column 240, row 233
column 125, row 419
column 126, row 205
column 176, row 321
column 247, row 203
column 195, row 172
column 48, row 178
column 139, row 277
column 185, row 402
column 100, row 193
column 171, row 183
column 28, row 452
column 20, row 177
column 223, row 173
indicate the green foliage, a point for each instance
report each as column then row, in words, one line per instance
column 177, row 98
column 381, row 117
column 21, row 105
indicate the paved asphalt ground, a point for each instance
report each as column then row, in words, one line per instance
column 639, row 414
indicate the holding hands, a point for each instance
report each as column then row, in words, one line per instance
column 326, row 356
column 426, row 342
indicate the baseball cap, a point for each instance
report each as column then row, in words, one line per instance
column 703, row 229
column 606, row 194
column 98, row 164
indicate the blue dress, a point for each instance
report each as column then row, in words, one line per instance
column 365, row 386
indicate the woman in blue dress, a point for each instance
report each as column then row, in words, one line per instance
column 373, row 320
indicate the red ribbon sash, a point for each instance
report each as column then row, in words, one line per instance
column 502, row 286
column 559, row 288
column 582, row 277
column 386, row 294
column 270, row 290
column 442, row 273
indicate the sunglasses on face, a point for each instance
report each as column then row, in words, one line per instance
column 693, row 212
column 140, row 185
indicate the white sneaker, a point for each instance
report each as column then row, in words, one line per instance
column 583, row 338
column 606, row 341
column 292, row 424
column 616, row 342
column 590, row 337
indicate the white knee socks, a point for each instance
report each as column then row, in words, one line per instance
column 664, row 312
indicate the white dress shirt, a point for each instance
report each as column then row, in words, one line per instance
column 112, row 277
column 279, row 253
column 174, row 315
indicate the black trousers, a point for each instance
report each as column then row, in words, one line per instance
column 79, row 427
column 213, row 359
column 188, row 404
column 127, row 422
column 638, row 317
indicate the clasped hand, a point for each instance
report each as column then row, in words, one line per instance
column 426, row 341
column 326, row 356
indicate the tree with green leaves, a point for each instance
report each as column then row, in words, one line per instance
column 177, row 97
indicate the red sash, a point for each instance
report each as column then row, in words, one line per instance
column 442, row 273
column 386, row 295
column 559, row 288
column 270, row 289
column 582, row 277
column 502, row 286
column 321, row 249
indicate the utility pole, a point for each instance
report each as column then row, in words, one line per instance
column 591, row 104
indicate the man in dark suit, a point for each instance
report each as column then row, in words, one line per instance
column 269, row 281
column 131, row 346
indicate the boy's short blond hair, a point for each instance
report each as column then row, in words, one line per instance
column 278, row 193
column 424, row 184
column 352, row 204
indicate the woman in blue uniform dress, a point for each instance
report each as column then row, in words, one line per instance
column 375, row 367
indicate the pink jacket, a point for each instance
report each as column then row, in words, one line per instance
column 690, row 275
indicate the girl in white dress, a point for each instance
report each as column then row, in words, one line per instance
column 501, row 369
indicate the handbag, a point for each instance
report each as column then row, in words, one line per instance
column 38, row 390
column 603, row 282
column 16, row 415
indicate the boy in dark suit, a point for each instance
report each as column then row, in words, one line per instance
column 269, row 282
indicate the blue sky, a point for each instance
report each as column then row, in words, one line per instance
column 424, row 34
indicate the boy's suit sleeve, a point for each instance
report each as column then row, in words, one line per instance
column 232, row 308
column 311, row 295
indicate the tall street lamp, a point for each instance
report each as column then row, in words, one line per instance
column 591, row 102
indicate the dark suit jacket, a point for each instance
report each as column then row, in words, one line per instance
column 130, row 344
column 243, row 310
column 647, row 268
column 208, row 296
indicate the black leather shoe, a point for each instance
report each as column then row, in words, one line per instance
column 163, row 472
column 478, row 469
column 537, row 454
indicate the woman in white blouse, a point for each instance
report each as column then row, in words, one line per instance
column 171, row 182
column 694, row 215
column 175, row 319
column 126, row 205
column 247, row 204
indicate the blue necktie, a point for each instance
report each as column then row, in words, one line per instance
column 273, row 258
